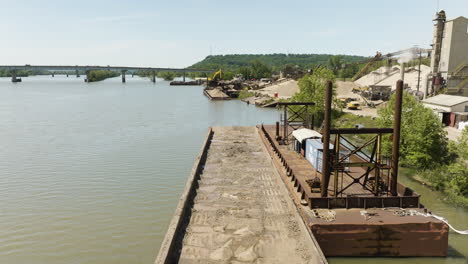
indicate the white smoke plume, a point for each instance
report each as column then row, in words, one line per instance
column 408, row 55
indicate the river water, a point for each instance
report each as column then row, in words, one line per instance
column 92, row 173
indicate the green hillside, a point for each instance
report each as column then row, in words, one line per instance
column 275, row 61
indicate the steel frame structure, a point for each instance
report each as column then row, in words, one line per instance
column 375, row 162
column 299, row 117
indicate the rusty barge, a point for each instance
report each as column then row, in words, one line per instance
column 252, row 197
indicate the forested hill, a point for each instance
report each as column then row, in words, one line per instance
column 275, row 61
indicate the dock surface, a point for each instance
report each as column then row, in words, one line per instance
column 216, row 94
column 242, row 211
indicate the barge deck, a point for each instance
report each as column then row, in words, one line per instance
column 236, row 209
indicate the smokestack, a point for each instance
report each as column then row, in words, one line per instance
column 396, row 138
column 437, row 41
column 326, row 141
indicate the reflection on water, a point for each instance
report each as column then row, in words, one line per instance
column 91, row 173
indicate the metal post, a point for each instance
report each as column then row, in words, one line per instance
column 326, row 141
column 402, row 71
column 184, row 77
column 153, row 77
column 53, row 75
column 312, row 122
column 277, row 131
column 336, row 149
column 285, row 125
column 377, row 167
column 77, row 74
column 419, row 69
column 396, row 137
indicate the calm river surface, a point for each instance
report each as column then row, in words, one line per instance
column 92, row 173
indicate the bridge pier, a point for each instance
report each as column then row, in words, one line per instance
column 123, row 76
column 14, row 78
column 87, row 76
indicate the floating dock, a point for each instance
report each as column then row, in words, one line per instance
column 216, row 94
column 236, row 209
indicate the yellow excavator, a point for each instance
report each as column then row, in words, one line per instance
column 215, row 78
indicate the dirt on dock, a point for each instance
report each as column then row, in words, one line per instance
column 284, row 90
column 242, row 211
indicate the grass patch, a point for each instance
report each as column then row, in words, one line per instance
column 245, row 94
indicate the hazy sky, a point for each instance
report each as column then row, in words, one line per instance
column 179, row 33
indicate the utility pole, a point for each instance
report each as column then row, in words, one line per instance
column 419, row 68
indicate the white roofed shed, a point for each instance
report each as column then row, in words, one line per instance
column 447, row 103
column 305, row 133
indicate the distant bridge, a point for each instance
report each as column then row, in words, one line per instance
column 86, row 69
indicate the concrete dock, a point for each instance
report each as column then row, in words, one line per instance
column 236, row 209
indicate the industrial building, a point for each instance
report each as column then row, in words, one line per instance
column 449, row 62
column 448, row 72
column 415, row 80
column 451, row 109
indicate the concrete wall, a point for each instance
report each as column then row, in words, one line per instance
column 458, row 43
column 454, row 45
column 460, row 107
column 446, row 49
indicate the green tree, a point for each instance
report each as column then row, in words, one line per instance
column 335, row 63
column 99, row 75
column 227, row 75
column 458, row 170
column 312, row 89
column 349, row 71
column 167, row 76
column 289, row 69
column 423, row 139
column 246, row 72
column 260, row 70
